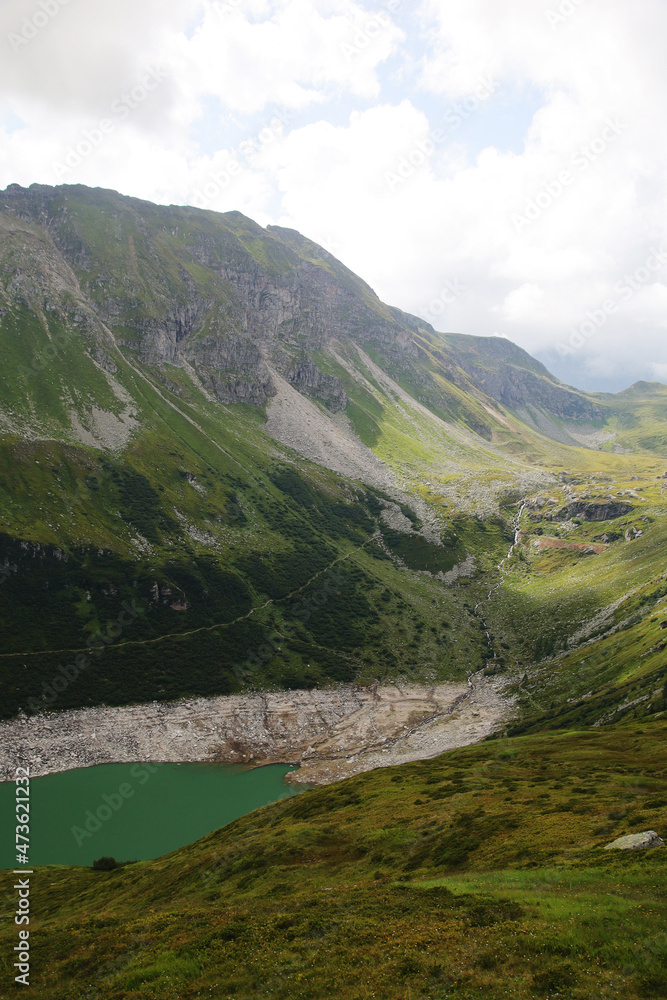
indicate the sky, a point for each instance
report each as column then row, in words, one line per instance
column 498, row 169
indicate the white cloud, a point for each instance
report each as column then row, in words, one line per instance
column 523, row 303
column 86, row 53
column 359, row 158
column 292, row 57
column 660, row 372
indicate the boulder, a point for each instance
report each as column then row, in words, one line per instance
column 636, row 842
column 597, row 510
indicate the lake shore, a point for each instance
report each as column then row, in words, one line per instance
column 330, row 733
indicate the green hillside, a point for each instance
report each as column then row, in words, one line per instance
column 479, row 874
column 165, row 519
column 227, row 466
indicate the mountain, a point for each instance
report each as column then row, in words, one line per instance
column 245, row 307
column 227, row 466
column 226, row 463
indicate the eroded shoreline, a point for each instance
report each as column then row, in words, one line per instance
column 331, row 734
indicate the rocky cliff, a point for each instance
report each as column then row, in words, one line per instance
column 217, row 292
column 183, row 287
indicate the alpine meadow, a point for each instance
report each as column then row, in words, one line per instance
column 251, row 514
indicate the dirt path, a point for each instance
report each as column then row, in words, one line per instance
column 331, row 733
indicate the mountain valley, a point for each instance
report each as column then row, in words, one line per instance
column 250, row 513
column 200, row 416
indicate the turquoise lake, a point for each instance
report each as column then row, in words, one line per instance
column 133, row 812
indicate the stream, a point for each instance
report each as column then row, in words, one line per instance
column 493, row 653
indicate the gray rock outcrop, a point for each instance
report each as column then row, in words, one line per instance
column 595, row 511
column 636, row 842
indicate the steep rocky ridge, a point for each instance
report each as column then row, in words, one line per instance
column 182, row 286
column 512, row 377
column 191, row 404
column 218, row 292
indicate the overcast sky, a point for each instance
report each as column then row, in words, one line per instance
column 494, row 167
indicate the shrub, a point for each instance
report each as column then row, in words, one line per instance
column 557, row 977
column 105, row 864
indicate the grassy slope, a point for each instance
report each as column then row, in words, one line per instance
column 421, row 448
column 640, row 417
column 598, row 614
column 155, row 527
column 475, row 875
column 622, row 675
column 238, row 513
column 67, row 496
column 549, row 594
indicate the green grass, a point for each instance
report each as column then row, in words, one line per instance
column 234, row 539
column 461, row 452
column 69, row 498
column 550, row 595
column 477, row 875
column 623, row 675
column 479, row 872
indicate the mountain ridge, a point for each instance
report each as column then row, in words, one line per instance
column 204, row 416
column 267, row 302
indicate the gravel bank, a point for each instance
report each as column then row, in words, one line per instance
column 330, row 733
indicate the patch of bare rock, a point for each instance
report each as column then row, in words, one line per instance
column 331, row 734
column 636, row 842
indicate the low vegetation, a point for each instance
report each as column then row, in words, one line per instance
column 156, row 542
column 477, row 875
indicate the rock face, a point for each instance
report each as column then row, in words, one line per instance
column 636, row 842
column 516, row 380
column 308, row 379
column 595, row 511
column 227, row 300
column 218, row 293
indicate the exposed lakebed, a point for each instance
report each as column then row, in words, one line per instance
column 133, row 812
column 330, row 734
